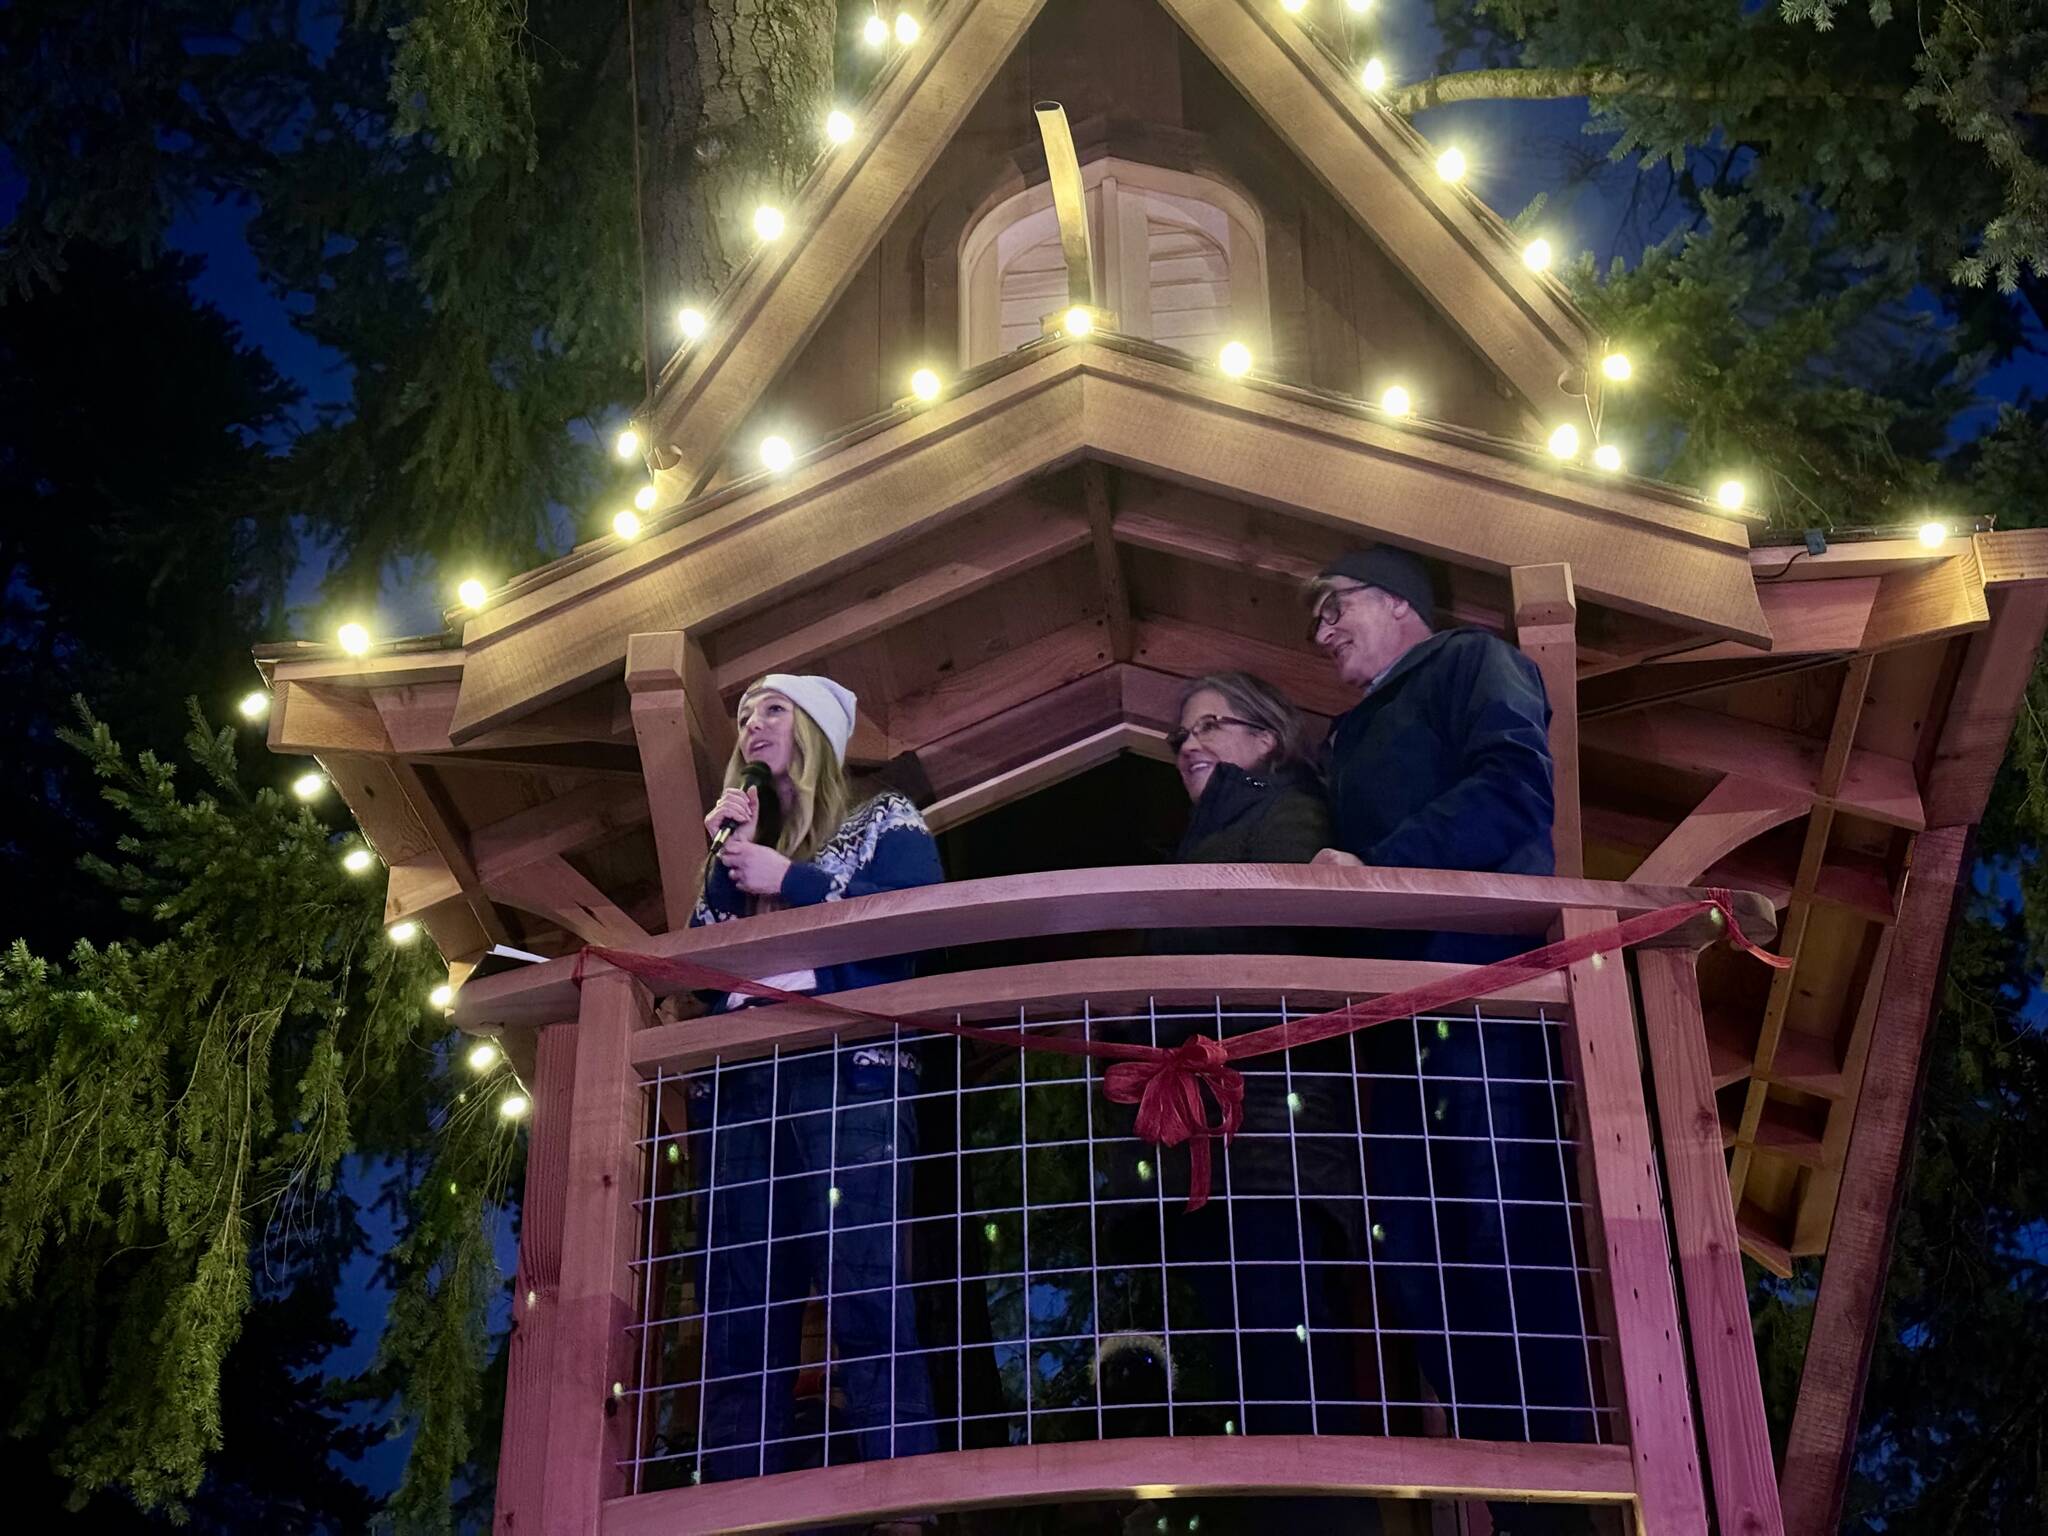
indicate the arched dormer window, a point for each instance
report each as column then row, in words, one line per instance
column 1179, row 257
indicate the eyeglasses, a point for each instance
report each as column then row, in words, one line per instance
column 1330, row 609
column 1204, row 728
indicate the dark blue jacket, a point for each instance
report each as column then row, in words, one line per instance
column 882, row 846
column 1446, row 765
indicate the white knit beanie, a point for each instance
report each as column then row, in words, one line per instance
column 830, row 706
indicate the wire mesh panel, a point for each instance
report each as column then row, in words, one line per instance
column 910, row 1243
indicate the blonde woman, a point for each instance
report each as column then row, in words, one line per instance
column 810, row 1174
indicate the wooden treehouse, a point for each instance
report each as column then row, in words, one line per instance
column 1015, row 575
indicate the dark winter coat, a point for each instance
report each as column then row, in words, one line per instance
column 1446, row 765
column 1249, row 818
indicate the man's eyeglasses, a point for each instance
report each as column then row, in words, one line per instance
column 1329, row 610
column 1203, row 729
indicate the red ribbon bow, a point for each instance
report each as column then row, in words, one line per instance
column 1167, row 1088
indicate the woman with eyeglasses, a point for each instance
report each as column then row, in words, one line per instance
column 1243, row 754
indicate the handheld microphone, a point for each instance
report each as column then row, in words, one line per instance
column 758, row 778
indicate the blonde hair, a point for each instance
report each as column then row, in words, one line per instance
column 820, row 802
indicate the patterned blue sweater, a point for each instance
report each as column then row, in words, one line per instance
column 883, row 846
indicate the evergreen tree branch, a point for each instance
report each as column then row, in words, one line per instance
column 1562, row 84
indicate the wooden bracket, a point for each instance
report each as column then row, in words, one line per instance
column 663, row 672
column 1546, row 630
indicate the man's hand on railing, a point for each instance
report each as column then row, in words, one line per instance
column 1338, row 857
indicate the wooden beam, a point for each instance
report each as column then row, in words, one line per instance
column 1095, row 900
column 983, row 692
column 595, row 1356
column 1109, row 565
column 530, row 1402
column 982, row 750
column 1309, row 981
column 1736, row 810
column 586, row 815
column 1846, row 1312
column 553, row 889
column 1546, row 615
column 1184, row 650
column 1081, row 1472
column 780, row 297
column 1348, row 471
column 1872, row 785
column 2013, row 555
column 1988, row 696
column 932, row 573
column 1383, row 173
column 1054, row 767
column 678, row 795
column 1709, row 1253
column 1816, row 1214
column 1627, row 1205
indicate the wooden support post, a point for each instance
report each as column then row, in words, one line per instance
column 1607, row 1070
column 536, row 1290
column 1546, row 629
column 1845, row 1314
column 591, row 1416
column 1109, row 565
column 1709, row 1255
column 677, row 799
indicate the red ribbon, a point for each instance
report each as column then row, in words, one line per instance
column 1167, row 1083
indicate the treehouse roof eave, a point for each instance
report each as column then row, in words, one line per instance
column 1455, row 249
column 1453, row 496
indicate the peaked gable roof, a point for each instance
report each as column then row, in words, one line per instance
column 1454, row 249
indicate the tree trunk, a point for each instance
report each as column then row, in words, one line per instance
column 738, row 91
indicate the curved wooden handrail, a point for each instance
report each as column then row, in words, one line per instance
column 1181, row 1467
column 1105, row 984
column 1113, row 899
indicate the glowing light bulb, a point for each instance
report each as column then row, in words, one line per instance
column 1607, row 457
column 626, row 523
column 354, row 638
column 1730, row 494
column 473, row 593
column 1617, row 366
column 1933, row 535
column 1374, row 76
column 309, row 786
column 1451, row 164
column 1235, row 359
column 254, row 706
column 627, row 444
column 776, row 454
column 403, row 932
column 1293, row 7
column 357, row 861
column 1077, row 322
column 483, row 1056
column 441, row 996
column 1536, row 255
column 643, row 499
column 1395, row 402
column 924, row 384
column 838, row 127
column 691, row 323
column 907, row 28
column 769, row 222
column 1564, row 441
column 1358, row 7
column 874, row 32
column 514, row 1106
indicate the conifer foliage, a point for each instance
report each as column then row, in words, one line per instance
column 176, row 1110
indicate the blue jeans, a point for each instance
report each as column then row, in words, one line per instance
column 839, row 1188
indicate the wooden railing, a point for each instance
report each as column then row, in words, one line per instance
column 571, row 1435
